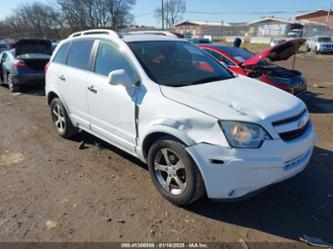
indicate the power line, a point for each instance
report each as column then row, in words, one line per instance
column 146, row 14
column 245, row 12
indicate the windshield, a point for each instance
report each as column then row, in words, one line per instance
column 238, row 53
column 324, row 39
column 174, row 63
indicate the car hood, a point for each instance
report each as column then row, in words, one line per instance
column 325, row 43
column 282, row 51
column 239, row 98
column 33, row 46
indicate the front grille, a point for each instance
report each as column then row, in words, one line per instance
column 289, row 120
column 290, row 135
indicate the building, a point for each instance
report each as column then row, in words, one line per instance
column 319, row 17
column 201, row 29
column 271, row 27
column 213, row 29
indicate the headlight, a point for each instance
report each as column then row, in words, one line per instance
column 244, row 135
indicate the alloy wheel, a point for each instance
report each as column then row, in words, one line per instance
column 59, row 118
column 170, row 171
column 10, row 82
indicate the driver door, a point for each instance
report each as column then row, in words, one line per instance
column 112, row 107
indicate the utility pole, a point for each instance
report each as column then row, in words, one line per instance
column 162, row 10
column 222, row 23
column 167, row 14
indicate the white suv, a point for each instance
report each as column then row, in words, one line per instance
column 320, row 44
column 200, row 128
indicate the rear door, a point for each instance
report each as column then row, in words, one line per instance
column 72, row 80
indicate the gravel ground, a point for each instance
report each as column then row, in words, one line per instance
column 52, row 191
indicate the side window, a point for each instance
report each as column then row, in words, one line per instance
column 79, row 54
column 220, row 57
column 61, row 55
column 110, row 58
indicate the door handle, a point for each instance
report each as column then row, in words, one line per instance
column 92, row 89
column 61, row 77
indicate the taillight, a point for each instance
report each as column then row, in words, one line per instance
column 19, row 64
column 46, row 67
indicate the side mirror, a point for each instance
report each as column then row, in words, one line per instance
column 120, row 77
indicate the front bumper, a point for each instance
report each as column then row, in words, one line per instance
column 234, row 173
column 325, row 50
column 29, row 79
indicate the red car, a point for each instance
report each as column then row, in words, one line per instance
column 257, row 66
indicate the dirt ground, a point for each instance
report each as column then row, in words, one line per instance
column 52, row 191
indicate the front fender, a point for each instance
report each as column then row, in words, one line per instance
column 170, row 127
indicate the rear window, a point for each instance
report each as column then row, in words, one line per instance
column 79, row 54
column 61, row 55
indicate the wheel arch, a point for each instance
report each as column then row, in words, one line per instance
column 50, row 96
column 153, row 136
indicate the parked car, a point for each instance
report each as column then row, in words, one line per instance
column 3, row 47
column 54, row 44
column 7, row 45
column 295, row 33
column 25, row 64
column 257, row 66
column 200, row 128
column 320, row 44
column 200, row 40
column 277, row 42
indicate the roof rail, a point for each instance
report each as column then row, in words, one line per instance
column 96, row 32
column 152, row 32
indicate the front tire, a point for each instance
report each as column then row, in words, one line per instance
column 316, row 50
column 307, row 49
column 174, row 173
column 61, row 121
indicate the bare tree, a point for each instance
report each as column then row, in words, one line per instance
column 81, row 14
column 40, row 19
column 120, row 13
column 173, row 12
column 34, row 19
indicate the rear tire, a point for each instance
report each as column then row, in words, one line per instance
column 61, row 121
column 176, row 178
column 11, row 84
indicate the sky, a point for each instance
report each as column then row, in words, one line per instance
column 210, row 10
